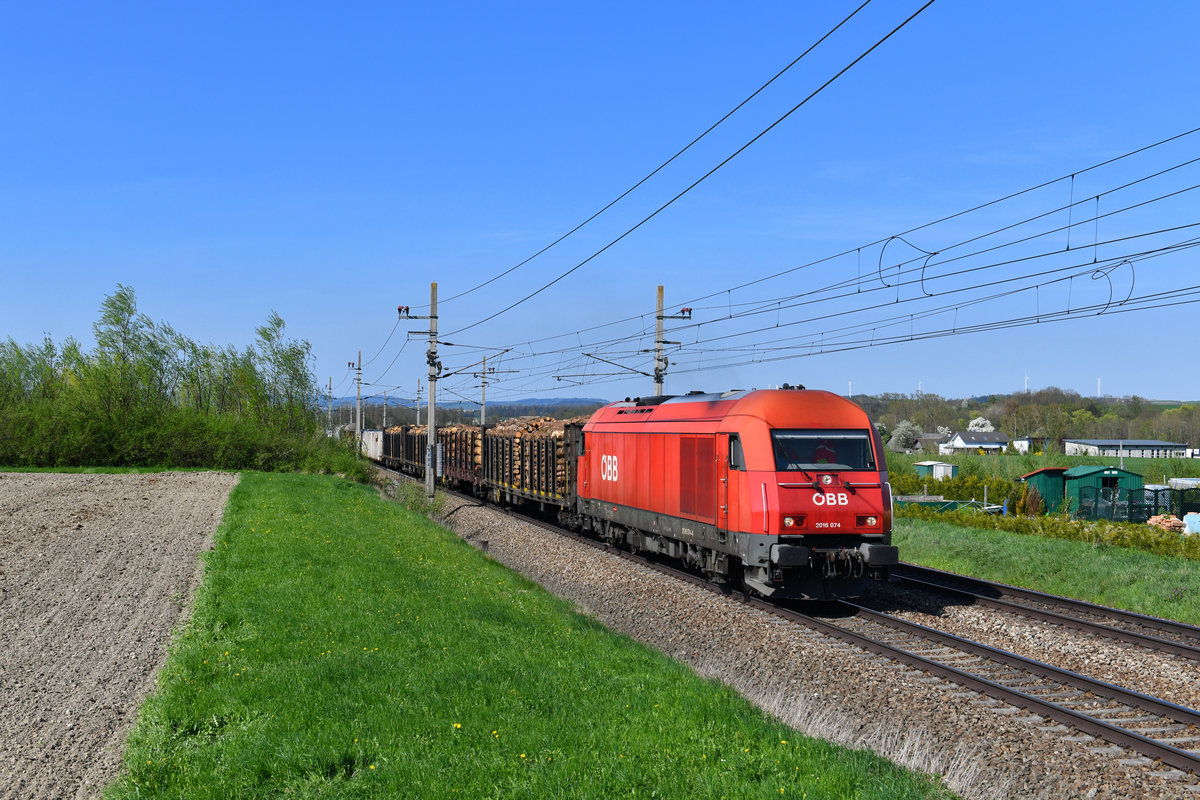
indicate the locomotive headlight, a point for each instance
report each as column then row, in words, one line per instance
column 789, row 522
column 872, row 522
column 826, row 479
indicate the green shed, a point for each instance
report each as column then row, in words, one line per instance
column 1050, row 485
column 1097, row 492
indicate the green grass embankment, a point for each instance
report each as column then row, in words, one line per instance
column 1161, row 585
column 344, row 647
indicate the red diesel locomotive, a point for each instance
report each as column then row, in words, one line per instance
column 784, row 491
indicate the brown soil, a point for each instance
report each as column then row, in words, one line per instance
column 94, row 573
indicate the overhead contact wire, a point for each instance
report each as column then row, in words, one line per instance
column 664, row 164
column 702, row 178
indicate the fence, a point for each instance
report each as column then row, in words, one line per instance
column 1135, row 505
column 940, row 504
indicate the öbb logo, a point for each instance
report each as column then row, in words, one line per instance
column 830, row 499
column 608, row 468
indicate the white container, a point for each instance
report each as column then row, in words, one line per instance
column 1192, row 522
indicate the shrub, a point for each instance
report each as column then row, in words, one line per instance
column 1060, row 526
column 148, row 396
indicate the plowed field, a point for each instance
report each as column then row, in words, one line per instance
column 94, row 572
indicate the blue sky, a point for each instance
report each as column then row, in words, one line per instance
column 226, row 160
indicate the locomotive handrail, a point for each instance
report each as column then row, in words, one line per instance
column 849, row 484
column 766, row 516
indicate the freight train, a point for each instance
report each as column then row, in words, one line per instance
column 784, row 492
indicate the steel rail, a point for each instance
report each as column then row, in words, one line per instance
column 996, row 595
column 1178, row 713
column 1168, row 754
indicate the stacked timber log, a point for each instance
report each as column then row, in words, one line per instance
column 462, row 447
column 462, row 450
column 530, row 453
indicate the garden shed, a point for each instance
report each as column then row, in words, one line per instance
column 938, row 470
column 1050, row 484
column 1087, row 489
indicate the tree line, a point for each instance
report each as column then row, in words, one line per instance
column 1052, row 413
column 147, row 395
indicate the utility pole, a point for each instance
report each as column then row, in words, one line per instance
column 358, row 403
column 483, row 394
column 385, row 409
column 435, row 369
column 418, row 401
column 330, row 409
column 483, row 384
column 660, row 360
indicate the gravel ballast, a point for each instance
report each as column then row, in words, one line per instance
column 983, row 749
column 1168, row 677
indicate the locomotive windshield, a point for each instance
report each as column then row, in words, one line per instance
column 828, row 450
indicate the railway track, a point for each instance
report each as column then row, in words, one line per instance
column 1153, row 633
column 1153, row 728
column 1111, row 719
column 1146, row 725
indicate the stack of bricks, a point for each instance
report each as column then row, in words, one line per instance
column 1167, row 522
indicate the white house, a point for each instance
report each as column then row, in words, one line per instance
column 1026, row 444
column 975, row 441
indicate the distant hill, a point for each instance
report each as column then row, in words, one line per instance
column 539, row 402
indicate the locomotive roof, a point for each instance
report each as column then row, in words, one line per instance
column 777, row 407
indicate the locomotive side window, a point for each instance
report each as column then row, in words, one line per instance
column 736, row 459
column 829, row 450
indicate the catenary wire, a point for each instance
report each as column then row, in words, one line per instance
column 827, row 259
column 664, row 164
column 701, row 179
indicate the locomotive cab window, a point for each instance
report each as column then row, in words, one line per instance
column 736, row 459
column 831, row 450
